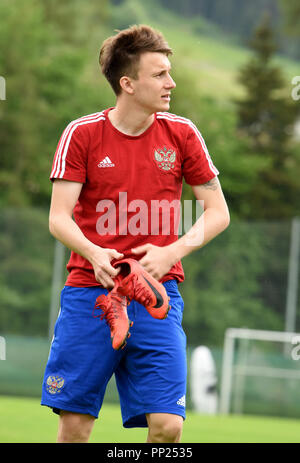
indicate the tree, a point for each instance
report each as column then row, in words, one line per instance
column 267, row 115
column 46, row 62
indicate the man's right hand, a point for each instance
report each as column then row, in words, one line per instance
column 100, row 259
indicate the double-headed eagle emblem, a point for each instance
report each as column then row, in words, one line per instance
column 165, row 158
column 55, row 384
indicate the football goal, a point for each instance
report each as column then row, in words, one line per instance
column 260, row 368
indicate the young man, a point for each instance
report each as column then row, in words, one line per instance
column 112, row 170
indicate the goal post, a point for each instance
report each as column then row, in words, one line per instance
column 231, row 370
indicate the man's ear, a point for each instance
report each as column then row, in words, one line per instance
column 126, row 84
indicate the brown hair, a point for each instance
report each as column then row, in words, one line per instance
column 120, row 54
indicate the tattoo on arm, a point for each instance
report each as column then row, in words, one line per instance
column 212, row 184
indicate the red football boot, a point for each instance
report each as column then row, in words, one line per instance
column 139, row 285
column 114, row 310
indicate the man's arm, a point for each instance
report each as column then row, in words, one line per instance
column 62, row 226
column 212, row 222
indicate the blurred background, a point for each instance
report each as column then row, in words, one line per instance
column 237, row 69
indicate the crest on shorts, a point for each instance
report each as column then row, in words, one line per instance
column 165, row 158
column 55, row 384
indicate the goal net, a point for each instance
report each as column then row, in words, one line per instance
column 260, row 373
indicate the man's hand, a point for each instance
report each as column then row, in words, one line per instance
column 157, row 260
column 100, row 259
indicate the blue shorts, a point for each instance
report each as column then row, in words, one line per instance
column 150, row 371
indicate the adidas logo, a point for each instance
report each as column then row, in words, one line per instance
column 181, row 401
column 106, row 162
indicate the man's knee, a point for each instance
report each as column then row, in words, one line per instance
column 74, row 427
column 165, row 428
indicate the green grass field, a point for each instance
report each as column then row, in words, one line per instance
column 25, row 421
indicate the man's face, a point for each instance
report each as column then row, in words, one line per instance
column 153, row 87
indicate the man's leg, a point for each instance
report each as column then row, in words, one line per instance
column 75, row 380
column 164, row 428
column 74, row 427
column 151, row 378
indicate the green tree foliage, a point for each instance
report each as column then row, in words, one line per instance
column 26, row 255
column 236, row 281
column 267, row 115
column 44, row 65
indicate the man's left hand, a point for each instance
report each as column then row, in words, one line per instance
column 157, row 260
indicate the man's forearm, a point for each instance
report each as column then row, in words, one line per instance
column 64, row 229
column 211, row 223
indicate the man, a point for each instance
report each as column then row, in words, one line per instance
column 111, row 170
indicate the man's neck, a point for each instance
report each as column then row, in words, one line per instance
column 130, row 122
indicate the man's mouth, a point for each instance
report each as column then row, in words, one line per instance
column 166, row 97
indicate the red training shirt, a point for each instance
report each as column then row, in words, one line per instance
column 131, row 184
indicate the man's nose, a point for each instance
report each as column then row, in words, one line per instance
column 170, row 83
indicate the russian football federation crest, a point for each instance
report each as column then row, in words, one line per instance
column 165, row 158
column 55, row 384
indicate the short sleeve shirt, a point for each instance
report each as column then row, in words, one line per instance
column 131, row 184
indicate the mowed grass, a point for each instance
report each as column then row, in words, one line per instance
column 25, row 421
